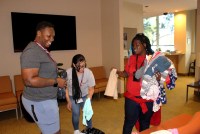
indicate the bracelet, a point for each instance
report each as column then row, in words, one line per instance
column 55, row 83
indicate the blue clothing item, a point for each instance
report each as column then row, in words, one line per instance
column 171, row 85
column 173, row 79
column 76, row 113
column 160, row 64
column 162, row 96
column 130, row 51
column 45, row 114
column 87, row 111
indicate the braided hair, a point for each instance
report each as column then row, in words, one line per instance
column 76, row 91
column 143, row 39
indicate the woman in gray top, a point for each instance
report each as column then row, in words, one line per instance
column 80, row 87
column 39, row 73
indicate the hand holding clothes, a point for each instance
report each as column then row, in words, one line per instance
column 87, row 111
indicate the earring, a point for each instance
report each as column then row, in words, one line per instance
column 147, row 51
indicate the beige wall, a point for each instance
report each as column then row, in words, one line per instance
column 112, row 33
column 180, row 38
column 88, row 25
column 190, row 37
column 133, row 16
column 184, row 38
column 131, row 32
column 99, row 31
column 99, row 25
column 197, row 70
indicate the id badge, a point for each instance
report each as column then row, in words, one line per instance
column 80, row 100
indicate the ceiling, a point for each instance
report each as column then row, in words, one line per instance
column 158, row 7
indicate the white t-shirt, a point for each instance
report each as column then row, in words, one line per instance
column 86, row 80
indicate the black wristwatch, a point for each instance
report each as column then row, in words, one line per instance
column 55, row 83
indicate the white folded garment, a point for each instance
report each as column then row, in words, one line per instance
column 111, row 88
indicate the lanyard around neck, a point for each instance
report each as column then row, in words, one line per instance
column 45, row 51
column 41, row 46
column 137, row 62
column 81, row 80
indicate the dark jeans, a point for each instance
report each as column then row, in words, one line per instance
column 133, row 112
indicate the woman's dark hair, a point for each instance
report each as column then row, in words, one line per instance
column 43, row 24
column 76, row 91
column 143, row 39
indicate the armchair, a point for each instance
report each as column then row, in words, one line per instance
column 8, row 100
column 192, row 68
column 19, row 87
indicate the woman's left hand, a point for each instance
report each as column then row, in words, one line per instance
column 158, row 76
column 69, row 106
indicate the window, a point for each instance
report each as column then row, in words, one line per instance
column 160, row 30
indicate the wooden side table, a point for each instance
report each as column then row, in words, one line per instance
column 192, row 85
column 175, row 59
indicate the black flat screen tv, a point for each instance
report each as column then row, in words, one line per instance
column 24, row 30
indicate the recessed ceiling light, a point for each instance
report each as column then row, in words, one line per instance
column 165, row 13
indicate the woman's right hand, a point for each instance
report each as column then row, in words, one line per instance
column 112, row 68
column 61, row 82
column 158, row 76
column 123, row 74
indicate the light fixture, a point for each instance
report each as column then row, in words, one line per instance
column 165, row 13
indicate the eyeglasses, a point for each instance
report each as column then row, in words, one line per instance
column 81, row 65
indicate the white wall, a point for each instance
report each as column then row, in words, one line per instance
column 88, row 25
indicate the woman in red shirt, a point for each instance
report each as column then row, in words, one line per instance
column 136, row 108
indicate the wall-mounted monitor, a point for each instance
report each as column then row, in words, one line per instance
column 24, row 30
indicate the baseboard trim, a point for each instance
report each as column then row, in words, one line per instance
column 183, row 74
column 120, row 95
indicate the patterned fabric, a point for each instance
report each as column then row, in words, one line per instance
column 154, row 90
column 170, row 85
column 173, row 78
column 150, row 88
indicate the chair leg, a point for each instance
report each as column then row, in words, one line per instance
column 16, row 113
column 99, row 95
column 20, row 110
column 189, row 72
